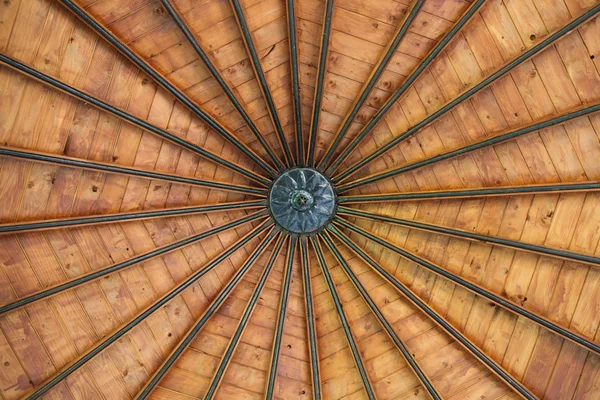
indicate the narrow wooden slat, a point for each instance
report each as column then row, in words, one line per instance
column 181, row 23
column 262, row 80
column 344, row 321
column 371, row 81
column 117, row 112
column 382, row 320
column 175, row 92
column 542, row 45
column 316, row 110
column 72, row 162
column 519, row 388
column 210, row 311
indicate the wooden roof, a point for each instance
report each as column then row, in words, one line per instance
column 138, row 142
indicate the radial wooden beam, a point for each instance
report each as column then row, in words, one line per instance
column 490, row 141
column 180, row 22
column 293, row 43
column 475, row 288
column 71, row 222
column 441, row 322
column 414, row 75
column 235, row 339
column 210, row 311
column 468, row 193
column 344, row 321
column 511, row 244
column 168, row 86
column 98, row 166
column 318, row 98
column 526, row 55
column 262, row 79
column 412, row 363
column 278, row 335
column 311, row 330
column 371, row 81
column 125, row 116
column 96, row 274
column 109, row 339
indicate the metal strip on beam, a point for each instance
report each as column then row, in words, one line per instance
column 371, row 81
column 125, row 116
column 98, row 166
column 218, row 376
column 491, row 141
column 480, row 291
column 310, row 321
column 442, row 323
column 343, row 320
column 70, row 222
column 210, row 311
column 93, row 275
column 168, row 86
column 467, row 193
column 550, row 39
column 278, row 336
column 179, row 21
column 293, row 42
column 262, row 79
column 414, row 75
column 511, row 244
column 109, row 339
column 316, row 112
column 412, row 363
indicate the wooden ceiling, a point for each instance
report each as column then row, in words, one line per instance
column 138, row 140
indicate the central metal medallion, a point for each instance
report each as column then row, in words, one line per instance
column 302, row 200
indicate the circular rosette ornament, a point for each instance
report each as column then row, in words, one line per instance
column 302, row 200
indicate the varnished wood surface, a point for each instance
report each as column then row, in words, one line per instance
column 40, row 339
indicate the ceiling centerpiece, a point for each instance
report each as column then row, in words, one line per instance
column 302, row 201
